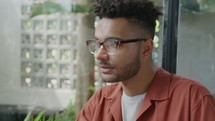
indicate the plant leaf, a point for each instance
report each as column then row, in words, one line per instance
column 28, row 116
column 39, row 116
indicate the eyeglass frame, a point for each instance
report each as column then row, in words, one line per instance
column 118, row 40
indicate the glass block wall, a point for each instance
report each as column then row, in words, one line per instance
column 157, row 45
column 48, row 49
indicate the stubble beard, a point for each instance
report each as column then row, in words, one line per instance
column 126, row 72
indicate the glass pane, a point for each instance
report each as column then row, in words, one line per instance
column 66, row 25
column 39, row 39
column 52, row 39
column 26, row 9
column 26, row 81
column 38, row 81
column 38, row 25
column 52, row 83
column 26, row 67
column 52, row 25
column 52, row 68
column 26, row 53
column 65, row 54
column 158, row 38
column 66, row 83
column 196, row 44
column 38, row 53
column 52, row 54
column 38, row 68
column 26, row 25
column 26, row 39
column 65, row 69
column 33, row 77
column 66, row 40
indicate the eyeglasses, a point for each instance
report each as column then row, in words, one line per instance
column 111, row 44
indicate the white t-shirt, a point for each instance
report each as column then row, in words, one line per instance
column 130, row 106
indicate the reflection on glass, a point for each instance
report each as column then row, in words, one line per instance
column 196, row 42
column 26, row 9
column 75, row 69
column 26, row 25
column 65, row 39
column 52, row 25
column 156, row 41
column 26, row 81
column 46, row 54
column 38, row 25
column 52, row 39
column 52, row 68
column 199, row 6
column 38, row 67
column 65, row 54
column 38, row 81
column 26, row 39
column 38, row 53
column 66, row 25
column 52, row 83
column 26, row 67
column 157, row 27
column 74, row 54
column 65, row 69
column 75, row 28
column 65, row 83
column 155, row 57
column 26, row 53
column 52, row 53
column 39, row 39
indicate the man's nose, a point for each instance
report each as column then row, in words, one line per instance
column 102, row 53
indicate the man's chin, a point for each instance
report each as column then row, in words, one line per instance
column 109, row 80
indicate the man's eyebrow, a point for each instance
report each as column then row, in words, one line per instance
column 117, row 38
column 111, row 37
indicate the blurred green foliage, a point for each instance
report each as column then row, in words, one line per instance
column 82, row 8
column 66, row 115
column 49, row 7
column 46, row 7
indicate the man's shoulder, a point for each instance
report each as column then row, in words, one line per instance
column 190, row 86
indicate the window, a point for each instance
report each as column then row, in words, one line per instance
column 196, row 42
column 47, row 49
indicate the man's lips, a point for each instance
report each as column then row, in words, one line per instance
column 106, row 69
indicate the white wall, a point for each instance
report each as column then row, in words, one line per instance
column 9, row 43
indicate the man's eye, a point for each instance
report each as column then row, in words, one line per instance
column 110, row 43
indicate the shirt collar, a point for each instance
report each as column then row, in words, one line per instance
column 159, row 89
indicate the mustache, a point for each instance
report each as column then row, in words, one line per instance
column 103, row 62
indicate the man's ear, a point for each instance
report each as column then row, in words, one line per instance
column 147, row 47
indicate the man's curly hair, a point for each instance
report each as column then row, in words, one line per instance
column 141, row 12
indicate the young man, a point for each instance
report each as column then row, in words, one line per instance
column 123, row 48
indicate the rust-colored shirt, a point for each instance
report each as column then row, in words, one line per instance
column 169, row 98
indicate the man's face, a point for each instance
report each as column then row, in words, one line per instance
column 125, row 63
